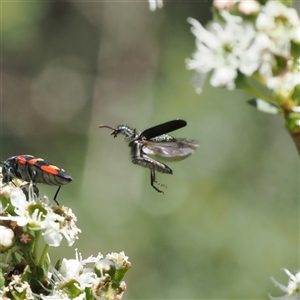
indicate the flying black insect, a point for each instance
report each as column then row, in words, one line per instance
column 155, row 141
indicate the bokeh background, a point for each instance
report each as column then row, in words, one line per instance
column 229, row 218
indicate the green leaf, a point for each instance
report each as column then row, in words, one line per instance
column 57, row 265
column 265, row 106
column 71, row 288
column 2, row 279
column 39, row 271
column 292, row 122
column 295, row 49
column 296, row 94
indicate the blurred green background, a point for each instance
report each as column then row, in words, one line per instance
column 229, row 218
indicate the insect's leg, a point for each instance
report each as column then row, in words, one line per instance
column 25, row 187
column 139, row 158
column 56, row 195
column 152, row 176
column 153, row 165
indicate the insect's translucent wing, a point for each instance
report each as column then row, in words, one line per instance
column 180, row 148
column 162, row 129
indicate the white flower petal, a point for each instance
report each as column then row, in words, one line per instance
column 52, row 235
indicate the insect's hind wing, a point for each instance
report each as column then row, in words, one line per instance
column 162, row 129
column 178, row 148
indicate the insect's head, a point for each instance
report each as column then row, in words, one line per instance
column 8, row 169
column 128, row 132
column 115, row 131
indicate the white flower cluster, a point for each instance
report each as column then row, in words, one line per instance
column 75, row 275
column 77, row 279
column 24, row 218
column 292, row 290
column 250, row 39
column 17, row 285
column 52, row 222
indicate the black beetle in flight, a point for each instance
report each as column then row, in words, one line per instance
column 155, row 141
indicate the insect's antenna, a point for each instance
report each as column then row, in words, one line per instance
column 105, row 126
column 114, row 130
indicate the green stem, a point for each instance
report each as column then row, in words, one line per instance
column 36, row 244
column 44, row 255
column 243, row 83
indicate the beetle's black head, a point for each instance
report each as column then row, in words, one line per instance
column 115, row 131
column 9, row 169
column 125, row 130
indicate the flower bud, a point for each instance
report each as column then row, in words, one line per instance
column 105, row 266
column 7, row 238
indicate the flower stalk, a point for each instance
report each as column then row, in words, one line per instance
column 44, row 255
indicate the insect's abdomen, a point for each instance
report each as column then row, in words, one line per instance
column 147, row 162
column 39, row 171
column 40, row 176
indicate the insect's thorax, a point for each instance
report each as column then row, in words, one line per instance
column 129, row 133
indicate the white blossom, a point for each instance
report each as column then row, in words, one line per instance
column 37, row 217
column 234, row 44
column 285, row 82
column 72, row 269
column 67, row 225
column 40, row 216
column 223, row 4
column 220, row 47
column 276, row 27
column 7, row 237
column 75, row 269
column 76, row 272
column 280, row 24
column 154, row 4
column 19, row 286
column 258, row 57
column 292, row 290
column 248, row 7
column 120, row 259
